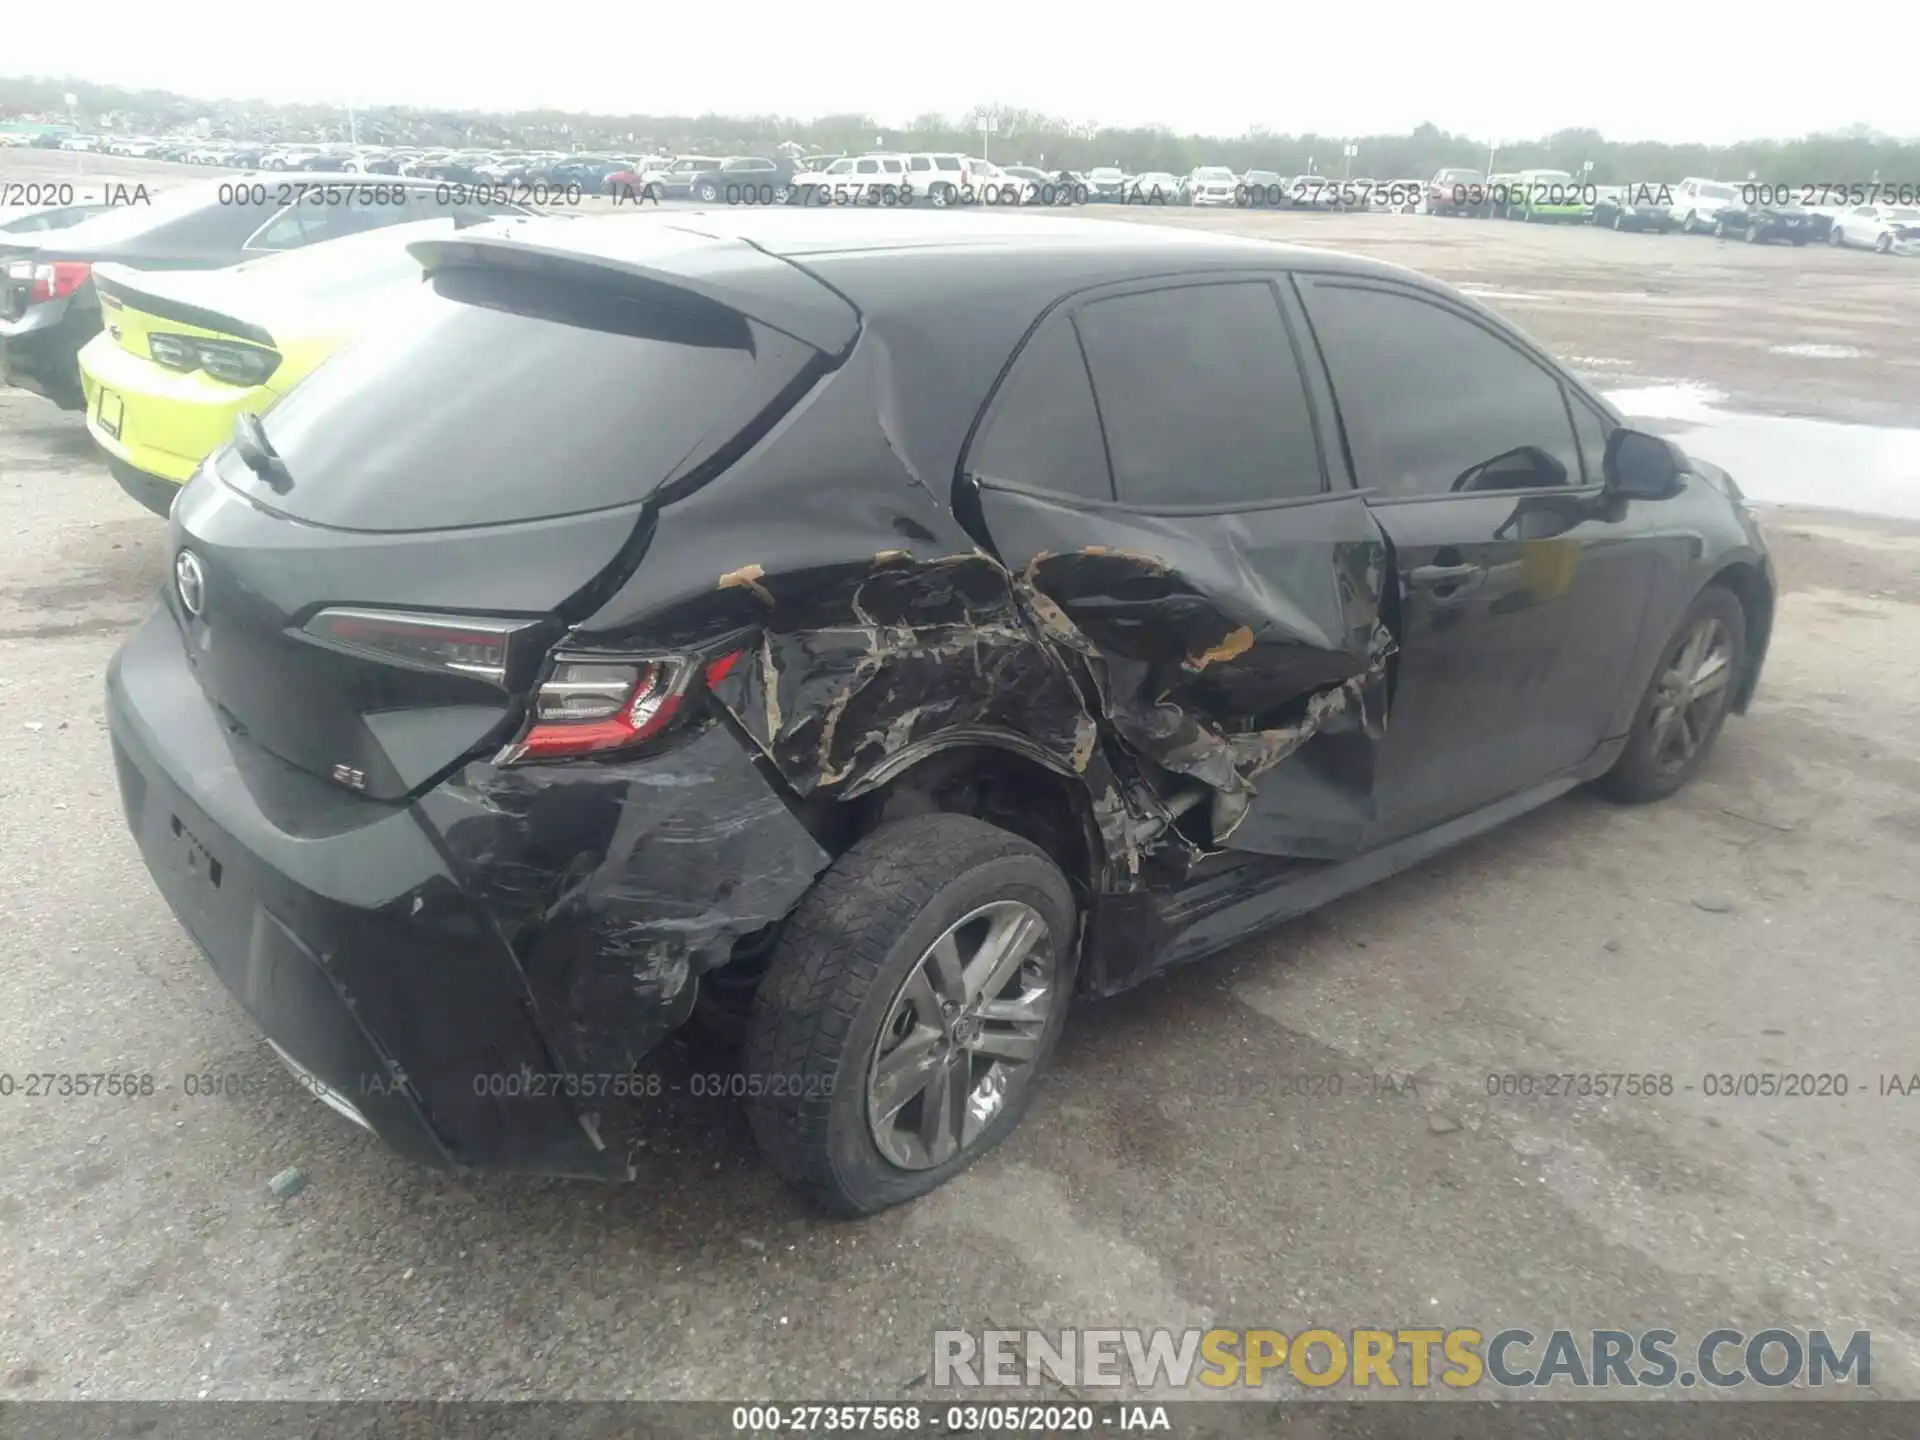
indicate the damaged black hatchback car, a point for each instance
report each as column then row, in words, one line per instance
column 873, row 632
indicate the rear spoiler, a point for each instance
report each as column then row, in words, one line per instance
column 147, row 298
column 642, row 254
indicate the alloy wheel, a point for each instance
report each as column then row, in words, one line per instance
column 961, row 1035
column 1691, row 694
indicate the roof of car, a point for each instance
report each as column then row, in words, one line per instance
column 945, row 297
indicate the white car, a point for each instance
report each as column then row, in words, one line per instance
column 1152, row 187
column 994, row 186
column 938, row 178
column 854, row 180
column 1212, row 185
column 1889, row 229
column 1697, row 203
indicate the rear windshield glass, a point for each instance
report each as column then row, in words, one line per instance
column 491, row 397
column 122, row 222
column 1717, row 192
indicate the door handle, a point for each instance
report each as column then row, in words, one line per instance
column 1449, row 580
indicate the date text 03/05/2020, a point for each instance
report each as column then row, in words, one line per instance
column 963, row 1419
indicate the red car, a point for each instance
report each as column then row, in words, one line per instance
column 1457, row 191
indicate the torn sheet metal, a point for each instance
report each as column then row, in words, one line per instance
column 847, row 674
column 616, row 886
column 1216, row 645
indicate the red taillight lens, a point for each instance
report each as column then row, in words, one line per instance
column 448, row 643
column 57, row 280
column 592, row 706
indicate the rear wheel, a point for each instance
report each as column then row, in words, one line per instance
column 1685, row 705
column 910, row 1008
column 709, row 192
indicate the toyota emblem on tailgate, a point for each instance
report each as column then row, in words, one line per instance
column 192, row 582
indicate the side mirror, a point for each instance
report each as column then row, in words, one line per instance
column 1642, row 466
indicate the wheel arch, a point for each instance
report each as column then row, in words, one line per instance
column 1000, row 777
column 1754, row 590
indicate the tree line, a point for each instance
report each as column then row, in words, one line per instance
column 1005, row 133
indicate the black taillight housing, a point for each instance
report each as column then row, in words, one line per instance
column 598, row 704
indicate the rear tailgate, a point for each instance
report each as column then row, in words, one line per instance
column 483, row 464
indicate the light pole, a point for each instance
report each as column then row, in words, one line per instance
column 1493, row 148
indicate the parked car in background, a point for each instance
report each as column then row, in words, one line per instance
column 1210, row 185
column 1457, row 190
column 1634, row 207
column 993, row 185
column 1404, row 197
column 743, row 180
column 1546, row 195
column 287, row 157
column 1315, row 192
column 43, row 218
column 1697, row 203
column 1262, row 189
column 1153, row 187
column 676, row 180
column 937, row 178
column 1501, row 194
column 186, row 353
column 1888, row 229
column 416, row 673
column 1762, row 218
column 1040, row 187
column 1107, row 182
column 49, row 307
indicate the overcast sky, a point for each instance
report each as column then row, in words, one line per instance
column 1634, row 69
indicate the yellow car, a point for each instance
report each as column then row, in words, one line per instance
column 182, row 354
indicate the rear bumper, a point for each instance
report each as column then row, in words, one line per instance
column 478, row 973
column 151, row 492
column 39, row 351
column 169, row 421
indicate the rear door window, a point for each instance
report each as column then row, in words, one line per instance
column 1201, row 396
column 1043, row 429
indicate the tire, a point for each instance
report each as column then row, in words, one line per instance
column 1836, row 239
column 940, row 196
column 836, row 992
column 709, row 192
column 1650, row 768
column 1687, row 224
column 1883, row 246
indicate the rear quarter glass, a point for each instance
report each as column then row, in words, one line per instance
column 489, row 398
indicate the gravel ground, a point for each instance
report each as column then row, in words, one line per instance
column 1766, row 919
